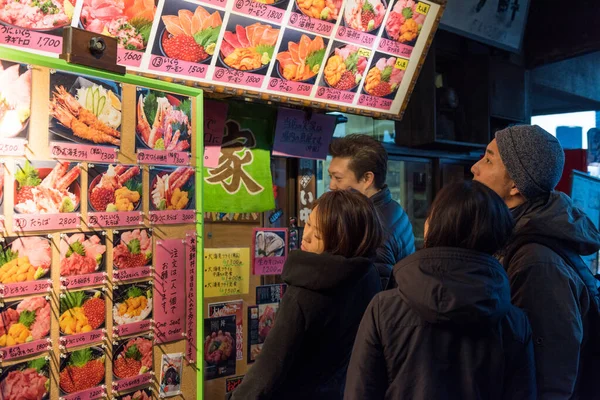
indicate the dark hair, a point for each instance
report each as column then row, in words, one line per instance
column 348, row 223
column 366, row 155
column 471, row 216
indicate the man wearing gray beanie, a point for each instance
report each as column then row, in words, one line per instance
column 548, row 278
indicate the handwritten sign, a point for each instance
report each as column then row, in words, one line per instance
column 112, row 219
column 78, row 281
column 215, row 115
column 132, row 328
column 290, row 87
column 25, row 288
column 12, row 147
column 129, row 58
column 226, row 271
column 128, row 274
column 254, row 8
column 172, row 217
column 83, row 152
column 331, row 94
column 46, row 222
column 374, row 102
column 228, row 308
column 179, row 67
column 302, row 137
column 82, row 338
column 89, row 394
column 190, row 307
column 24, row 350
column 354, row 36
column 169, row 290
column 25, row 38
column 301, row 21
column 129, row 383
column 242, row 78
column 395, row 48
column 163, row 157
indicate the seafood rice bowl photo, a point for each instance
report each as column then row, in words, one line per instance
column 132, row 357
column 133, row 303
column 119, row 188
column 24, row 321
column 82, row 369
column 301, row 61
column 249, row 48
column 81, row 254
column 364, row 15
column 172, row 190
column 132, row 249
column 345, row 68
column 25, row 259
column 37, row 15
column 24, row 381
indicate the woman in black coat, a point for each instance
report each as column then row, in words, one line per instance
column 330, row 283
column 448, row 331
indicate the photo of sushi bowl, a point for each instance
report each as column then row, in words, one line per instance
column 81, row 311
column 81, row 370
column 132, row 303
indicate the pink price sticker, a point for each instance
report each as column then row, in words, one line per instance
column 163, row 157
column 168, row 217
column 332, row 94
column 268, row 265
column 25, row 288
column 291, row 87
column 72, row 282
column 313, row 25
column 215, row 3
column 259, row 10
column 128, row 274
column 25, row 38
column 12, row 147
column 130, row 383
column 43, row 222
column 89, row 394
column 113, row 219
column 374, row 102
column 395, row 48
column 241, row 78
column 179, row 67
column 24, row 350
column 133, row 328
column 83, row 152
column 129, row 58
column 82, row 338
column 354, row 36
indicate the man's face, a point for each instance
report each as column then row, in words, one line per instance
column 490, row 171
column 343, row 178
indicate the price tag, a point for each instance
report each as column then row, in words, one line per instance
column 401, row 63
column 423, row 8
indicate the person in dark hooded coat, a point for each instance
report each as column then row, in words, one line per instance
column 448, row 331
column 330, row 283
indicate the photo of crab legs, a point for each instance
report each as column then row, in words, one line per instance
column 84, row 123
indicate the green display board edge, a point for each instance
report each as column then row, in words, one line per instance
column 58, row 64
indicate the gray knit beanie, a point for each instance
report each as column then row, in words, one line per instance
column 533, row 158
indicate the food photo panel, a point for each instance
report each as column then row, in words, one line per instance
column 269, row 250
column 82, row 374
column 85, row 117
column 82, row 317
column 114, row 195
column 132, row 362
column 15, row 107
column 26, row 380
column 186, row 39
column 403, row 27
column 132, row 254
column 82, row 259
column 47, row 195
column 25, row 327
column 25, row 265
column 132, row 308
column 172, row 195
column 219, row 347
column 382, row 81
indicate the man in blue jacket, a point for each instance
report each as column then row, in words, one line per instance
column 360, row 162
column 523, row 164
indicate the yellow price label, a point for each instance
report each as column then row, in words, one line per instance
column 401, row 63
column 364, row 53
column 423, row 8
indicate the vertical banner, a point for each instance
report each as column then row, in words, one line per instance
column 307, row 189
column 190, row 280
column 169, row 291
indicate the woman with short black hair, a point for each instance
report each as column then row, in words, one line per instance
column 330, row 283
column 448, row 331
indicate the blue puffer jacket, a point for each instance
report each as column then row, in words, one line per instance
column 399, row 241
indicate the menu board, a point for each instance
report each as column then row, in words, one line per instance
column 360, row 56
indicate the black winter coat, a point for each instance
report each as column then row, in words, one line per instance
column 399, row 238
column 553, row 295
column 448, row 332
column 307, row 351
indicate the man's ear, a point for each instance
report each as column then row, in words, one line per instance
column 369, row 178
column 513, row 189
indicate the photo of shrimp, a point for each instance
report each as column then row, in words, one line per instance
column 84, row 110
